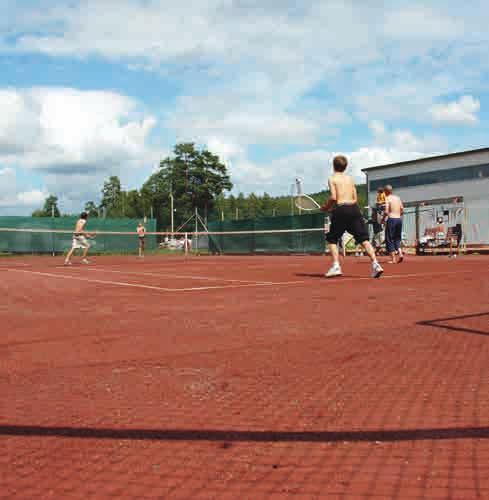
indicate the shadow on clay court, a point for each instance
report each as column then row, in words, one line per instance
column 310, row 275
column 438, row 323
column 228, row 436
column 321, row 275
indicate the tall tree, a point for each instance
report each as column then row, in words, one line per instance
column 155, row 198
column 195, row 178
column 241, row 211
column 133, row 206
column 91, row 209
column 112, row 197
column 50, row 208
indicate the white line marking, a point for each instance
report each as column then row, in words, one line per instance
column 188, row 289
column 177, row 276
column 150, row 287
column 395, row 276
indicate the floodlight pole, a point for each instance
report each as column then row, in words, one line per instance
column 52, row 225
column 171, row 209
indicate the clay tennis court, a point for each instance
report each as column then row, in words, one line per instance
column 244, row 377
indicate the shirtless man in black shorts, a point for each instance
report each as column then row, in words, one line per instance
column 346, row 216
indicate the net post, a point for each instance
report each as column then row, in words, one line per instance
column 185, row 244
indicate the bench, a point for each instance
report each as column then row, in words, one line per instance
column 436, row 240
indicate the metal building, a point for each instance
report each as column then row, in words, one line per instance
column 454, row 187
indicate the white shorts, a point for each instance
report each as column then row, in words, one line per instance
column 80, row 242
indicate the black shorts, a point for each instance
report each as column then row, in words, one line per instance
column 347, row 218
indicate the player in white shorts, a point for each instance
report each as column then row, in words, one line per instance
column 79, row 240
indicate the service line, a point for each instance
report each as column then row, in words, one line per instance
column 150, row 287
column 178, row 276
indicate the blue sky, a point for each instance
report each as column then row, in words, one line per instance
column 107, row 87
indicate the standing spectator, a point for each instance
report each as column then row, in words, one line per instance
column 380, row 200
column 377, row 218
column 141, row 237
column 394, row 210
column 440, row 231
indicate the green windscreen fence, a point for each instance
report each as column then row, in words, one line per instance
column 284, row 234
column 54, row 235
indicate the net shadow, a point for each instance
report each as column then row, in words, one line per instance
column 438, row 323
column 394, row 435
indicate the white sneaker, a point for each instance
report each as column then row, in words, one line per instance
column 86, row 261
column 376, row 270
column 334, row 270
column 67, row 263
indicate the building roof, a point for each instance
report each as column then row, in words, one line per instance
column 428, row 158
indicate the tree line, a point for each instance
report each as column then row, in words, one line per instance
column 190, row 179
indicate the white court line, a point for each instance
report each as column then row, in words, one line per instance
column 13, row 264
column 178, row 276
column 162, row 289
column 340, row 279
column 150, row 287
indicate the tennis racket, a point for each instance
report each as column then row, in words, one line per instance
column 304, row 201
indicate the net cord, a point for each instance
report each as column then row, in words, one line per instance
column 164, row 233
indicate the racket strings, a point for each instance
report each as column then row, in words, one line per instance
column 306, row 203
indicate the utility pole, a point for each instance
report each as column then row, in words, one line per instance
column 171, row 210
column 52, row 234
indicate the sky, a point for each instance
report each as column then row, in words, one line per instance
column 95, row 88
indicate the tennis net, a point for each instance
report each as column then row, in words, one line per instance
column 277, row 241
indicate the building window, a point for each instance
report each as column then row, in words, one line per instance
column 434, row 177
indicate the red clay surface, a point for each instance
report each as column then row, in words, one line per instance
column 252, row 377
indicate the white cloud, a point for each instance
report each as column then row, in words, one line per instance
column 60, row 128
column 404, row 141
column 249, row 73
column 419, row 22
column 160, row 30
column 315, row 166
column 13, row 198
column 7, row 181
column 74, row 138
column 408, row 97
column 243, row 127
column 225, row 150
column 461, row 112
column 31, row 198
column 19, row 122
column 268, row 52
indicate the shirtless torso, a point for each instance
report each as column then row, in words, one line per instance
column 342, row 188
column 393, row 207
column 80, row 226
